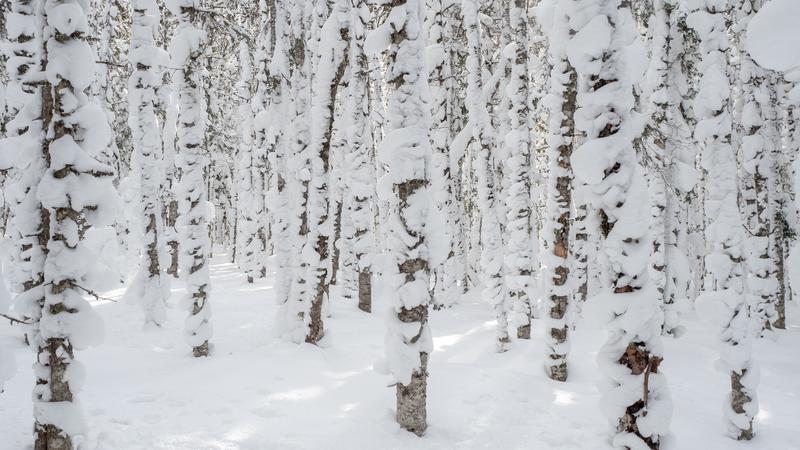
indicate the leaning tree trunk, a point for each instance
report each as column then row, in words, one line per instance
column 335, row 54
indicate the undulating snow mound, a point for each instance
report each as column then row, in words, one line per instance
column 773, row 36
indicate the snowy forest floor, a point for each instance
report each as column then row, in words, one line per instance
column 145, row 391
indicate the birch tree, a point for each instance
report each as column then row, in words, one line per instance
column 333, row 60
column 23, row 159
column 755, row 136
column 246, row 194
column 361, row 179
column 404, row 190
column 188, row 53
column 723, row 302
column 298, row 167
column 670, row 162
column 518, row 246
column 558, row 278
column 147, row 59
column 602, row 51
column 66, row 134
column 446, row 272
column 495, row 292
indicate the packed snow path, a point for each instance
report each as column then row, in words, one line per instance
column 144, row 390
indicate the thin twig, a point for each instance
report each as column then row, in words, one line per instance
column 93, row 293
column 111, row 63
column 14, row 319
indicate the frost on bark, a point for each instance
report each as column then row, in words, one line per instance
column 361, row 177
column 670, row 160
column 61, row 192
column 723, row 303
column 580, row 253
column 263, row 105
column 445, row 267
column 112, row 24
column 404, row 192
column 637, row 398
column 333, row 60
column 558, row 278
column 518, row 247
column 756, row 136
column 299, row 170
column 246, row 193
column 495, row 292
column 282, row 115
column 22, row 160
column 257, row 140
column 784, row 204
column 147, row 60
column 188, row 54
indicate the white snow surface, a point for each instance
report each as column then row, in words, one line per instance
column 144, row 390
column 773, row 35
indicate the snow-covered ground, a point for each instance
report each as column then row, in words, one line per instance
column 144, row 390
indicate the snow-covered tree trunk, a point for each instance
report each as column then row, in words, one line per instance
column 681, row 171
column 147, row 59
column 283, row 65
column 8, row 364
column 76, row 193
column 336, row 243
column 24, row 169
column 494, row 291
column 188, row 53
column 776, row 201
column 603, row 51
column 299, row 168
column 5, row 79
column 518, row 246
column 341, row 271
column 361, row 177
column 783, row 202
column 404, row 191
column 446, row 272
column 580, row 252
column 171, row 175
column 666, row 140
column 7, row 112
column 558, row 278
column 111, row 25
column 754, row 124
column 107, row 18
column 333, row 60
column 169, row 199
column 247, row 236
column 656, row 146
column 267, row 105
column 691, row 209
column 723, row 302
column 266, row 139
